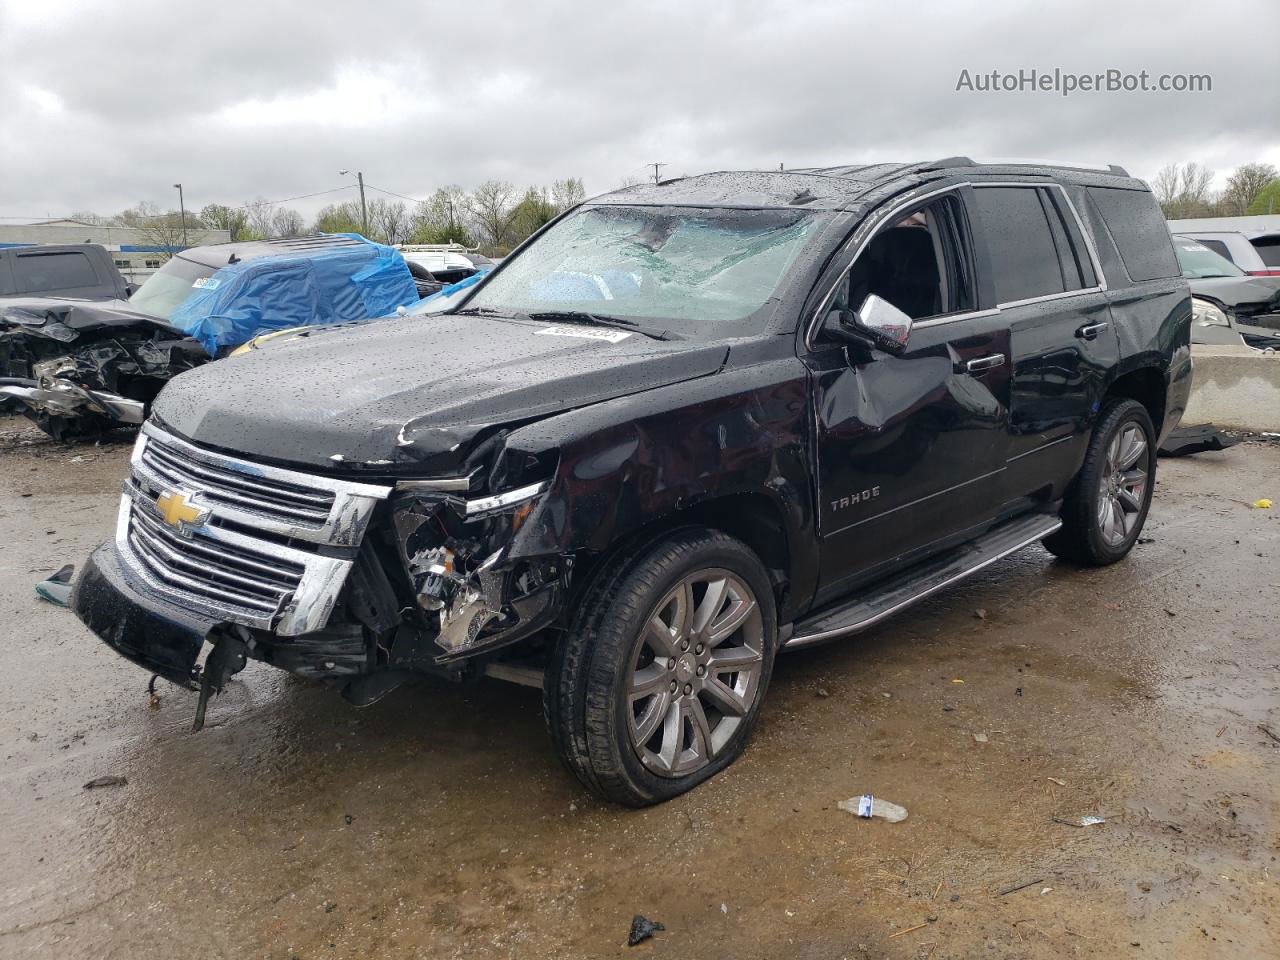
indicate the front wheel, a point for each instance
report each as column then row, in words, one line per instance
column 658, row 683
column 1107, row 504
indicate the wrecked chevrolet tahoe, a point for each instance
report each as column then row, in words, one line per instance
column 685, row 426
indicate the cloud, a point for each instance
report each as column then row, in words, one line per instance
column 239, row 100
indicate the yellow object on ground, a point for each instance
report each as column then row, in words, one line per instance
column 1263, row 504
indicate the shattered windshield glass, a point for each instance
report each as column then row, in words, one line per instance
column 161, row 293
column 694, row 266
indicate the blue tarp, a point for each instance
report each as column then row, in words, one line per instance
column 259, row 295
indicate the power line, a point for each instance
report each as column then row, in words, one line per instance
column 392, row 193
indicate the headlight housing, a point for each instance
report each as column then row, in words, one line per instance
column 452, row 547
column 1208, row 314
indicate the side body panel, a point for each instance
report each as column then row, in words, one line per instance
column 651, row 459
column 908, row 449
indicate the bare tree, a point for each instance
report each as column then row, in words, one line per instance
column 88, row 216
column 162, row 229
column 1244, row 185
column 389, row 220
column 491, row 206
column 258, row 213
column 567, row 193
column 1184, row 190
column 286, row 222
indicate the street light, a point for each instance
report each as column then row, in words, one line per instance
column 364, row 215
column 182, row 207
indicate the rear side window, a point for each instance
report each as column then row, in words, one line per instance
column 1024, row 252
column 37, row 272
column 1268, row 249
column 1139, row 230
column 1217, row 246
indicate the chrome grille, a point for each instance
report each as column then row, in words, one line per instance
column 297, row 505
column 285, row 501
column 269, row 548
column 216, row 570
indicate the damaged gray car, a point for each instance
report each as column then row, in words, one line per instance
column 78, row 367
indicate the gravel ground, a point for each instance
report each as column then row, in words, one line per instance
column 438, row 823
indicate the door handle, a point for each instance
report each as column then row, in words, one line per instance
column 984, row 363
column 1090, row 331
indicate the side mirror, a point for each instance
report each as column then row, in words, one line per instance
column 877, row 322
column 884, row 324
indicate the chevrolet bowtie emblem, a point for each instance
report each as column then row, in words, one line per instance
column 177, row 510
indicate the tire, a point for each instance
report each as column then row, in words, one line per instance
column 650, row 621
column 1118, row 474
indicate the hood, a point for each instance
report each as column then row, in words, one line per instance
column 77, row 315
column 1244, row 294
column 413, row 391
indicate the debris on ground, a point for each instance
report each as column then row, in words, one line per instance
column 1263, row 504
column 642, row 929
column 1019, row 886
column 980, row 613
column 1082, row 822
column 867, row 806
column 980, row 738
column 1184, row 441
column 902, row 933
column 107, row 781
column 823, row 693
column 1269, row 732
column 57, row 588
column 1061, row 783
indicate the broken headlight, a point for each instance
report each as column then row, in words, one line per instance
column 453, row 547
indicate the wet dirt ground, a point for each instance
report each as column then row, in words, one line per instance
column 438, row 823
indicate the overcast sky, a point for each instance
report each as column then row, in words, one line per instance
column 105, row 105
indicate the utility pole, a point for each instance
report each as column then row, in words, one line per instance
column 182, row 207
column 364, row 211
column 656, row 166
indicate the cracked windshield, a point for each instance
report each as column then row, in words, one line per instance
column 690, row 267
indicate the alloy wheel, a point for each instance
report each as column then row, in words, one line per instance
column 696, row 672
column 1123, row 486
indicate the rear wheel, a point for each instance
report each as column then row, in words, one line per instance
column 1107, row 505
column 658, row 685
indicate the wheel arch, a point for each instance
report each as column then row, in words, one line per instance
column 753, row 518
column 1147, row 386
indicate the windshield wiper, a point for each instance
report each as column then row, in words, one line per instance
column 602, row 320
column 487, row 312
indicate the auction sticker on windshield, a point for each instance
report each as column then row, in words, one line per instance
column 613, row 336
column 207, row 283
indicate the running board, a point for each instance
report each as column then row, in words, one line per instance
column 881, row 601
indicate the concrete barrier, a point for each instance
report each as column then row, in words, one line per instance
column 1236, row 387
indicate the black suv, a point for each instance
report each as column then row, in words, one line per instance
column 683, row 427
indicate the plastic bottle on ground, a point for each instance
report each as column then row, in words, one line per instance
column 867, row 806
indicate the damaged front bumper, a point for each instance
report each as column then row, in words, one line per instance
column 61, row 398
column 330, row 579
column 163, row 638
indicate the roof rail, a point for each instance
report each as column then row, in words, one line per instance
column 943, row 164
